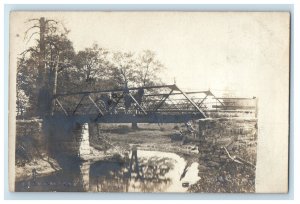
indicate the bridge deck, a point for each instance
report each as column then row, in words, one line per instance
column 130, row 118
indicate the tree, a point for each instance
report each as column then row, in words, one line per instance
column 44, row 29
column 92, row 65
column 132, row 70
column 59, row 56
column 22, row 102
column 136, row 70
column 50, row 52
column 148, row 69
column 27, row 72
column 125, row 69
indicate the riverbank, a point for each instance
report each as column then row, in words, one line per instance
column 218, row 170
column 38, row 167
column 149, row 137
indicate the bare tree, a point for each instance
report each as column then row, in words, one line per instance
column 148, row 68
column 124, row 69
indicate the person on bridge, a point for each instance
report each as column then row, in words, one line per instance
column 139, row 95
column 127, row 99
column 114, row 102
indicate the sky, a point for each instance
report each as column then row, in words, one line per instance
column 217, row 51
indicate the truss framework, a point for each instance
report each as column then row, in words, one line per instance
column 151, row 104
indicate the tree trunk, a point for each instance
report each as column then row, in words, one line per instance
column 41, row 80
column 42, row 53
column 134, row 126
column 54, row 86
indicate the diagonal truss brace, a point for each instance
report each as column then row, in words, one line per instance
column 191, row 101
column 79, row 104
column 140, row 107
column 60, row 105
column 163, row 101
column 199, row 104
column 99, row 110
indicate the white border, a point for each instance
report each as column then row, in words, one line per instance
column 3, row 79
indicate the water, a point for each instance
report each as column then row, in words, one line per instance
column 151, row 171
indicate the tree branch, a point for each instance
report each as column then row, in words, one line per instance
column 238, row 159
column 233, row 158
column 32, row 27
column 51, row 20
column 28, row 50
column 31, row 36
column 32, row 19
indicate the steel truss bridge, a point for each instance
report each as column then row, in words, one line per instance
column 151, row 104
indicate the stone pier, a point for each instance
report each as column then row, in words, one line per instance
column 57, row 136
column 67, row 137
column 84, row 147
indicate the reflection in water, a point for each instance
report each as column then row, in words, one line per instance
column 67, row 179
column 85, row 175
column 146, row 171
column 143, row 174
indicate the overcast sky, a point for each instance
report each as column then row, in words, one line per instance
column 217, row 51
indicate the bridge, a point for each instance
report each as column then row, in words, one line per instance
column 73, row 116
column 150, row 104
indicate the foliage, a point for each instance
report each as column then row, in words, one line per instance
column 124, row 69
column 51, row 54
column 91, row 65
column 22, row 102
column 148, row 68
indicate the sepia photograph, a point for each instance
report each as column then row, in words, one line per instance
column 181, row 102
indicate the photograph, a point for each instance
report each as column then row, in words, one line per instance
column 179, row 102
